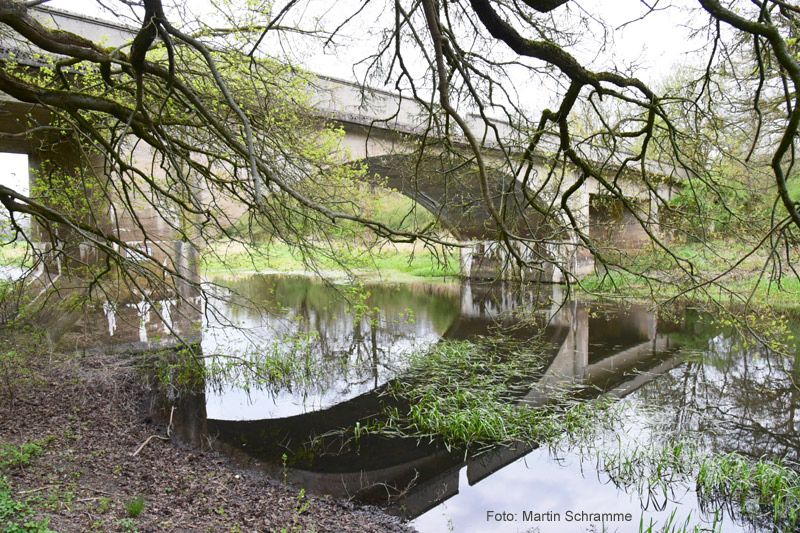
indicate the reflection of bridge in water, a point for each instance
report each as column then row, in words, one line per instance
column 613, row 350
column 720, row 396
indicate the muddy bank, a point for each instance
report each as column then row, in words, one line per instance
column 89, row 414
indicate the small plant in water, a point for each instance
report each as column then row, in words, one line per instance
column 472, row 394
column 673, row 526
column 288, row 363
column 758, row 492
column 752, row 488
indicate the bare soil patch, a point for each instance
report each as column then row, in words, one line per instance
column 90, row 413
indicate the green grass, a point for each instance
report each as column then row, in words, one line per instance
column 272, row 368
column 135, row 506
column 345, row 246
column 719, row 271
column 395, row 261
column 752, row 488
column 16, row 253
column 671, row 525
column 467, row 393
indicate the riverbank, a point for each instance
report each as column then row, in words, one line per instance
column 726, row 272
column 391, row 261
column 722, row 271
column 70, row 427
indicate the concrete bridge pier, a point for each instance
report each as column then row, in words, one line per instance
column 63, row 173
column 489, row 260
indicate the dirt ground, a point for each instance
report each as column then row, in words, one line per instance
column 90, row 414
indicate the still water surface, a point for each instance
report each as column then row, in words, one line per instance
column 681, row 375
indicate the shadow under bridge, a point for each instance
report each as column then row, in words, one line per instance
column 450, row 188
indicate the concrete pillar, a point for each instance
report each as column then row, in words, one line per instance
column 581, row 331
column 489, row 260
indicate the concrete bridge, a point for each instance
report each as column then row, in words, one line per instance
column 381, row 130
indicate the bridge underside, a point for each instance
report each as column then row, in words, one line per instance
column 68, row 175
column 452, row 191
column 375, row 123
column 55, row 162
column 450, row 188
column 445, row 185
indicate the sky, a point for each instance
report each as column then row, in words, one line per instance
column 14, row 172
column 657, row 42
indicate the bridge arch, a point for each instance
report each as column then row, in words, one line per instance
column 451, row 190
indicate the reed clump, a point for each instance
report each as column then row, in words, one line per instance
column 473, row 395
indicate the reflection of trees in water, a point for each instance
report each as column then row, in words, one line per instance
column 742, row 400
column 356, row 338
column 739, row 401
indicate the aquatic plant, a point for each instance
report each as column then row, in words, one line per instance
column 751, row 489
column 671, row 525
column 286, row 363
column 654, row 468
column 758, row 491
column 472, row 394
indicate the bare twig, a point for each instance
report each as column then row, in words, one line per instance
column 151, row 437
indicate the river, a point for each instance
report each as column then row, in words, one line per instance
column 679, row 376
